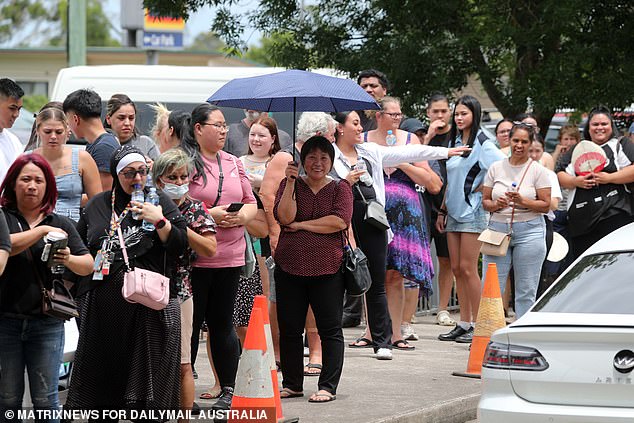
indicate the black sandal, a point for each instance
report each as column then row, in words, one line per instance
column 368, row 343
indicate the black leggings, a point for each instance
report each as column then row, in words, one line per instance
column 214, row 297
column 373, row 243
column 325, row 296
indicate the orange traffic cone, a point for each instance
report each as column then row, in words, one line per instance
column 490, row 318
column 253, row 394
column 261, row 303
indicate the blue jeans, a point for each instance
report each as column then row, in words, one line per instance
column 38, row 345
column 526, row 253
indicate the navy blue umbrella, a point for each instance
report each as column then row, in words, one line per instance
column 293, row 91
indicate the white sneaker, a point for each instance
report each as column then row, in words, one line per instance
column 383, row 354
column 407, row 332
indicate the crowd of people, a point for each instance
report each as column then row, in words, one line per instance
column 238, row 215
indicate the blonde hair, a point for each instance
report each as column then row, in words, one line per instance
column 161, row 114
column 174, row 158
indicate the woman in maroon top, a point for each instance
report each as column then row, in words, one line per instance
column 313, row 211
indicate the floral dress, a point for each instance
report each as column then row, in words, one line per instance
column 201, row 222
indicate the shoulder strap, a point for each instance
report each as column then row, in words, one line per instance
column 365, row 137
column 530, row 162
column 75, row 160
column 29, row 255
column 409, row 138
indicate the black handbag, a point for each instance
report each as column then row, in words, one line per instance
column 356, row 273
column 374, row 213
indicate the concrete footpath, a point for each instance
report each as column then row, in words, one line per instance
column 416, row 386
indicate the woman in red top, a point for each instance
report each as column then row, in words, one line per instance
column 313, row 211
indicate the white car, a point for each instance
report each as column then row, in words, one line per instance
column 570, row 358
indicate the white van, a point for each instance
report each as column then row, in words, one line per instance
column 178, row 87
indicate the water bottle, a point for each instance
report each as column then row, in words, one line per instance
column 365, row 177
column 148, row 182
column 513, row 189
column 151, row 198
column 139, row 196
column 390, row 139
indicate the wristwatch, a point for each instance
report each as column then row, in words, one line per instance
column 161, row 223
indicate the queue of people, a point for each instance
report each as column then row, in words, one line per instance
column 444, row 184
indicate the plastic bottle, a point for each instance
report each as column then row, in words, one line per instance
column 151, row 198
column 513, row 189
column 139, row 196
column 390, row 139
column 365, row 177
column 148, row 182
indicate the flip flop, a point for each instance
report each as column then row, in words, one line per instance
column 401, row 344
column 287, row 393
column 211, row 394
column 327, row 397
column 366, row 343
column 308, row 372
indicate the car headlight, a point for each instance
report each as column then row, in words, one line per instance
column 513, row 357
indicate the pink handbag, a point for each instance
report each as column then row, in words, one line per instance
column 144, row 286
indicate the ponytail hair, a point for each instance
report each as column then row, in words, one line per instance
column 189, row 144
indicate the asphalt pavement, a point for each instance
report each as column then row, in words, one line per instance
column 416, row 386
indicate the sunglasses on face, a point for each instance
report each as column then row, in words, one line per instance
column 130, row 174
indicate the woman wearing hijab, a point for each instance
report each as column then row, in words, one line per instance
column 128, row 356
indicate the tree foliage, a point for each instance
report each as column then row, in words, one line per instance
column 207, row 41
column 98, row 26
column 544, row 53
column 45, row 22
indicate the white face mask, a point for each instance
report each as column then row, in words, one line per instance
column 175, row 192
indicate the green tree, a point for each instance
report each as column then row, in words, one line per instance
column 207, row 41
column 44, row 22
column 549, row 53
column 98, row 26
column 22, row 20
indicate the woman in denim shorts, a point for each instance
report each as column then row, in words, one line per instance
column 462, row 208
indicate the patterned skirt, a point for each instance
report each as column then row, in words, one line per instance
column 128, row 356
column 409, row 251
column 248, row 288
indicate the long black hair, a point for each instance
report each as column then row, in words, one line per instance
column 473, row 105
column 200, row 114
column 599, row 110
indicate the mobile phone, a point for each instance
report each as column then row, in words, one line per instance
column 234, row 207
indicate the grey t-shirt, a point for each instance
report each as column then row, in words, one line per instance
column 146, row 145
column 237, row 141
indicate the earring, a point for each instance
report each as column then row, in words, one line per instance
column 341, row 133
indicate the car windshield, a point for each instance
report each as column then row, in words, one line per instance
column 598, row 283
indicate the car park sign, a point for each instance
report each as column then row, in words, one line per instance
column 162, row 32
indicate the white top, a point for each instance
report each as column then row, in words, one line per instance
column 10, row 149
column 555, row 192
column 503, row 174
column 381, row 156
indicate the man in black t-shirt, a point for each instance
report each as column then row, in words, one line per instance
column 83, row 110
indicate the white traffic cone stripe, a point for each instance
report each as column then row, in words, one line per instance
column 269, row 347
column 254, row 376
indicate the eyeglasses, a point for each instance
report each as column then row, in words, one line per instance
column 130, row 174
column 218, row 126
column 394, row 115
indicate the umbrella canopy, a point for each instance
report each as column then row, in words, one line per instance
column 293, row 91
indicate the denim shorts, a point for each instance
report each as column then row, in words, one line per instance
column 475, row 226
